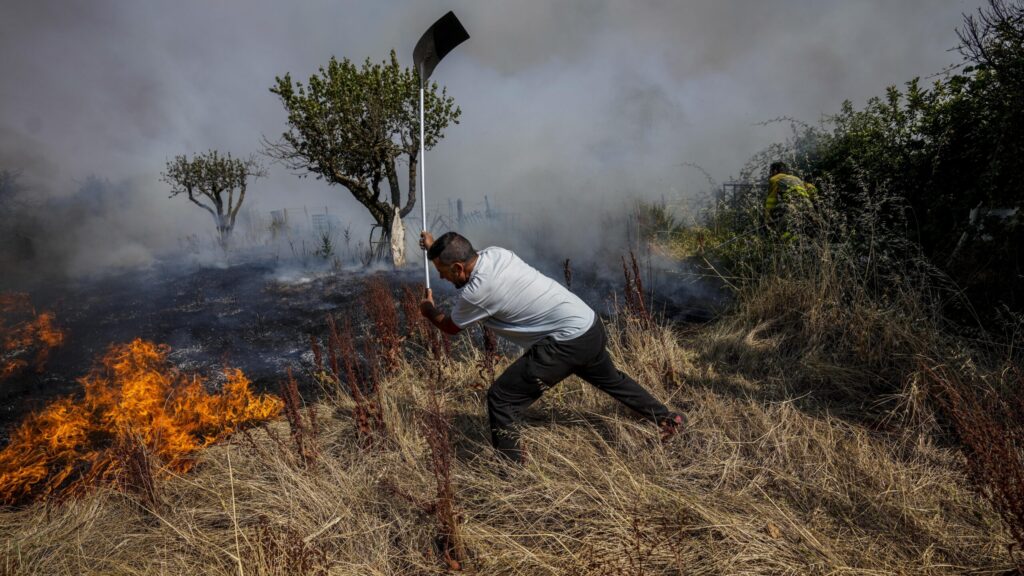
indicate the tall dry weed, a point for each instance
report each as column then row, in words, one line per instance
column 486, row 366
column 304, row 429
column 633, row 290
column 436, row 425
column 381, row 309
column 989, row 423
column 415, row 325
column 418, row 331
column 361, row 380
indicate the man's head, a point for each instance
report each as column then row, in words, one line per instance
column 453, row 256
column 778, row 168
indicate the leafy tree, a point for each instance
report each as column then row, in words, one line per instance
column 353, row 126
column 214, row 182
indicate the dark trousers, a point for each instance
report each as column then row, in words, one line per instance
column 547, row 363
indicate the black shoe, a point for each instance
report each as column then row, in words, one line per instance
column 670, row 425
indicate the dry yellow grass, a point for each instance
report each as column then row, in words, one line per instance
column 761, row 483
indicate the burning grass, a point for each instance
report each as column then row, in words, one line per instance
column 26, row 337
column 135, row 404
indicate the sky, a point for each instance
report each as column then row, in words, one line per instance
column 566, row 106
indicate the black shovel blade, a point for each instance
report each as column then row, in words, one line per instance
column 436, row 42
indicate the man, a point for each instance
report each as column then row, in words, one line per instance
column 787, row 197
column 560, row 334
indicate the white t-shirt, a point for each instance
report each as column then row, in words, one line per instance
column 519, row 303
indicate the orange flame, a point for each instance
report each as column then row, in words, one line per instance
column 23, row 332
column 136, row 395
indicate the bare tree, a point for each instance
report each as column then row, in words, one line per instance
column 993, row 40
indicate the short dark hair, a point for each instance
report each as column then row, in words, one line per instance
column 450, row 248
column 777, row 167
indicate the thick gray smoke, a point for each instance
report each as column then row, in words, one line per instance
column 569, row 107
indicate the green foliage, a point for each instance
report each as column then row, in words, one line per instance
column 946, row 150
column 914, row 163
column 326, row 248
column 655, row 220
column 350, row 125
column 211, row 181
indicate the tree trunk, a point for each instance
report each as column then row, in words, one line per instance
column 397, row 237
column 223, row 230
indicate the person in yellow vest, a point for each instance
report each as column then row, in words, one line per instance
column 787, row 196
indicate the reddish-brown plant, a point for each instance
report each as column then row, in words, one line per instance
column 989, row 422
column 304, row 431
column 362, row 383
column 489, row 359
column 380, row 307
column 419, row 330
column 449, row 542
column 634, row 291
column 415, row 324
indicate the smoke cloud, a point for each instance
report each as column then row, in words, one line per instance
column 568, row 107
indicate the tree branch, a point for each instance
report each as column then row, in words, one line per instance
column 233, row 212
column 411, row 198
column 396, row 190
column 200, row 204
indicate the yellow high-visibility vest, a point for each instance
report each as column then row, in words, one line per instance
column 786, row 188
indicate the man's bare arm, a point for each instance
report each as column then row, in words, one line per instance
column 439, row 319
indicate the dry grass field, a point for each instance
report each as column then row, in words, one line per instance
column 792, row 463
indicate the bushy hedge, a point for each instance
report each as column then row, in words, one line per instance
column 931, row 155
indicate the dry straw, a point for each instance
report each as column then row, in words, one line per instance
column 813, row 448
